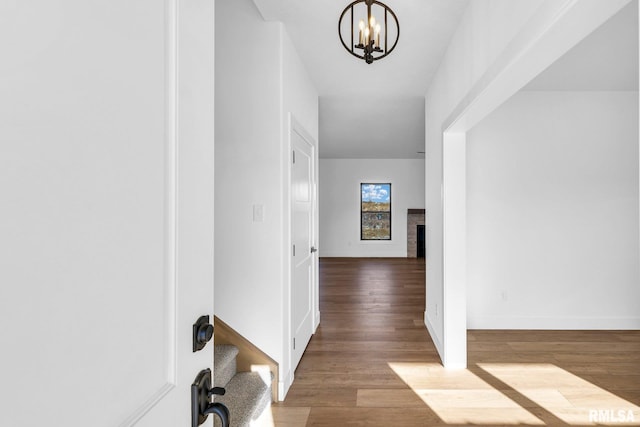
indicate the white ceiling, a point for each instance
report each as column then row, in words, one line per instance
column 377, row 110
column 426, row 26
column 383, row 128
column 369, row 110
column 605, row 60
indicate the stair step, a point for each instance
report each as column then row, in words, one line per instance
column 247, row 397
column 224, row 364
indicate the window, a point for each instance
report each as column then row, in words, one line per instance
column 375, row 211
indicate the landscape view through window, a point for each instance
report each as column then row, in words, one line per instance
column 375, row 211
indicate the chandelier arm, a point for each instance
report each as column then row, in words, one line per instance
column 340, row 32
column 395, row 18
column 351, row 28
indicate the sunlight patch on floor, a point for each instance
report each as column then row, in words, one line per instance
column 510, row 394
column 567, row 396
column 264, row 420
column 282, row 416
column 461, row 397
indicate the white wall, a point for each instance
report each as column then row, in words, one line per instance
column 255, row 91
column 300, row 96
column 486, row 29
column 552, row 213
column 499, row 46
column 340, row 181
column 247, row 172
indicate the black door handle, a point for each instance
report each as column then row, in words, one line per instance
column 220, row 410
column 202, row 333
column 201, row 405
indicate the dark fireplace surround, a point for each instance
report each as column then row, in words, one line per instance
column 415, row 218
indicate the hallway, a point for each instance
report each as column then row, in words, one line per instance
column 372, row 362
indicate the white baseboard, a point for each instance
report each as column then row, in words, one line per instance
column 284, row 385
column 552, row 323
column 362, row 255
column 282, row 393
column 434, row 337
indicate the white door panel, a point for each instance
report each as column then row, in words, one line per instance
column 106, row 219
column 303, row 205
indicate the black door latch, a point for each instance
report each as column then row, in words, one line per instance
column 201, row 405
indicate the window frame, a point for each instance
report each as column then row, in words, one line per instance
column 362, row 237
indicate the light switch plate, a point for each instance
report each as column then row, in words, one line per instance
column 258, row 213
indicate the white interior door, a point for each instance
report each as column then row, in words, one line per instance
column 106, row 218
column 303, row 275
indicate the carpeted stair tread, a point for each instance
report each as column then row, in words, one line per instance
column 246, row 396
column 224, row 364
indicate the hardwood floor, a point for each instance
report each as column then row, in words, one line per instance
column 372, row 362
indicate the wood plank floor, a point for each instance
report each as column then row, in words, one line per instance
column 372, row 362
